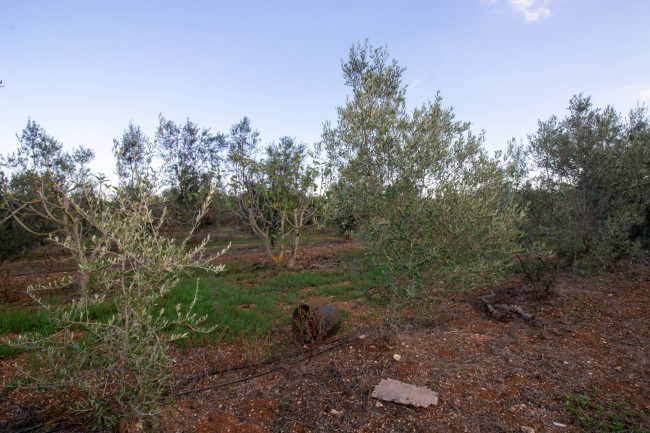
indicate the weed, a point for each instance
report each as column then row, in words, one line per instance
column 21, row 321
column 7, row 351
column 600, row 415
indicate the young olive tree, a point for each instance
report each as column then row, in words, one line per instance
column 14, row 239
column 38, row 196
column 275, row 196
column 121, row 366
column 133, row 154
column 594, row 174
column 433, row 206
column 191, row 161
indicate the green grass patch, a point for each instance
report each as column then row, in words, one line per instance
column 22, row 321
column 250, row 302
column 338, row 291
column 599, row 415
column 7, row 351
column 102, row 312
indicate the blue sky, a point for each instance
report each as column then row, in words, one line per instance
column 84, row 69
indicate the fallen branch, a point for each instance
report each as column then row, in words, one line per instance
column 519, row 311
column 512, row 309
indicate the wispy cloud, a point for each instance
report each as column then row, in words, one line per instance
column 532, row 10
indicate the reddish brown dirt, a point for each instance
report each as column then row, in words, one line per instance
column 492, row 375
column 322, row 253
column 15, row 277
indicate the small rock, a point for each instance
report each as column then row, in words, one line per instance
column 335, row 412
column 558, row 424
column 397, row 357
column 525, row 429
column 361, row 337
column 378, row 404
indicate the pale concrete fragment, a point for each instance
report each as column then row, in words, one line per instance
column 400, row 392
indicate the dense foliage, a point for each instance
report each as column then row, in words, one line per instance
column 191, row 162
column 121, row 366
column 133, row 155
column 592, row 193
column 434, row 207
column 39, row 194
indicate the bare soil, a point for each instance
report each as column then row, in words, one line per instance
column 492, row 374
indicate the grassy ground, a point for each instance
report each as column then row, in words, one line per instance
column 254, row 302
column 243, row 302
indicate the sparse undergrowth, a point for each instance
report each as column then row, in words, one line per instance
column 492, row 375
column 598, row 414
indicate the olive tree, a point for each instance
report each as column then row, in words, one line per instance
column 191, row 161
column 14, row 239
column 38, row 196
column 133, row 154
column 276, row 196
column 120, row 366
column 433, row 206
column 594, row 175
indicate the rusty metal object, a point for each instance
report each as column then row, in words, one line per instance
column 313, row 324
